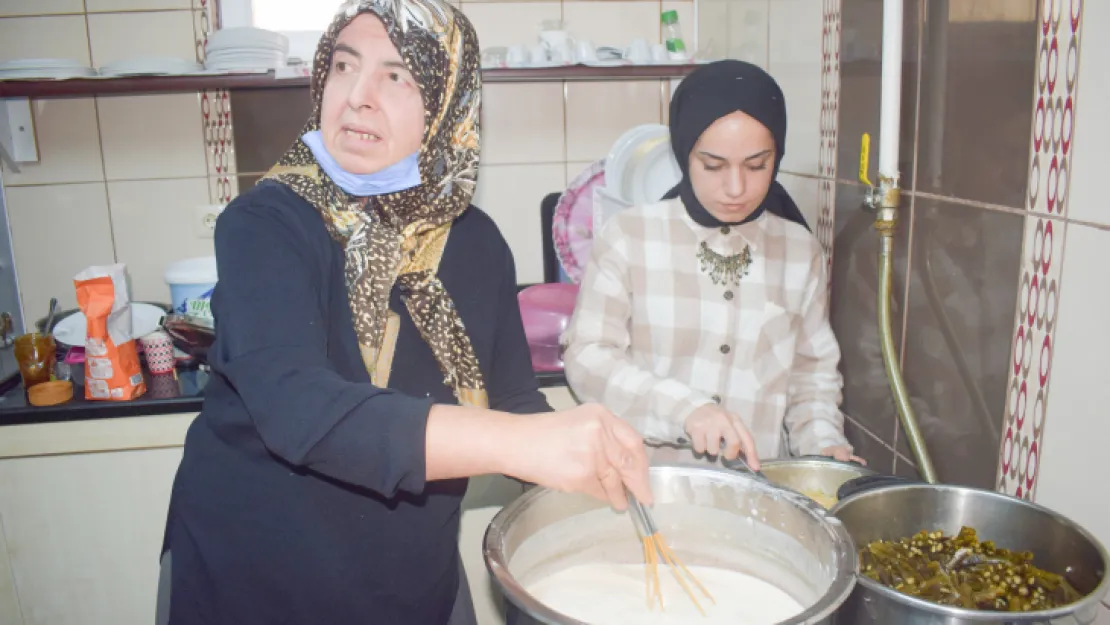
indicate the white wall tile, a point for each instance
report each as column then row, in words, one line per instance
column 60, row 37
column 68, row 144
column 522, row 123
column 509, row 23
column 118, row 36
column 712, row 29
column 804, row 193
column 511, row 194
column 795, row 62
column 735, row 29
column 57, row 231
column 154, row 223
column 613, row 23
column 749, row 32
column 101, row 6
column 1075, row 425
column 9, row 8
column 791, row 39
column 154, row 136
column 598, row 113
column 1091, row 126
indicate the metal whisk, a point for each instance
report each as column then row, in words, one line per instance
column 654, row 548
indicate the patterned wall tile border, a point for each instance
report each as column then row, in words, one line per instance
column 1055, row 101
column 829, row 126
column 215, row 107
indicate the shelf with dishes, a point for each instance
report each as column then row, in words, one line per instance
column 90, row 86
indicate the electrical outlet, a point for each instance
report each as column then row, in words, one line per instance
column 205, row 220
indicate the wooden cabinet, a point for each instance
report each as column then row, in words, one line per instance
column 83, row 506
column 82, row 534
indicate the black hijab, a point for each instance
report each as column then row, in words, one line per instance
column 710, row 93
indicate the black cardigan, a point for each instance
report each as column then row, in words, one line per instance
column 301, row 497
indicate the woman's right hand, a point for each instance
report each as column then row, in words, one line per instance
column 583, row 450
column 709, row 425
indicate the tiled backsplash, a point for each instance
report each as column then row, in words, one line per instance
column 536, row 137
column 999, row 162
column 1003, row 205
column 120, row 178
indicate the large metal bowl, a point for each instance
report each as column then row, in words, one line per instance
column 709, row 516
column 893, row 512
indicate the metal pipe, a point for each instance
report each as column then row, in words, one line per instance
column 887, row 200
column 936, row 20
column 914, row 437
column 890, row 105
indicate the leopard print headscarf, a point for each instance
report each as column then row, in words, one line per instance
column 399, row 238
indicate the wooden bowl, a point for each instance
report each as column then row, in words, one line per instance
column 50, row 393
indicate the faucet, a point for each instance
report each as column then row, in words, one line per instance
column 884, row 201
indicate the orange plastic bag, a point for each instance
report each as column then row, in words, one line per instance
column 112, row 368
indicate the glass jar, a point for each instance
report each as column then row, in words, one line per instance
column 672, row 37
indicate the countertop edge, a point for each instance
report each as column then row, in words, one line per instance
column 144, row 407
column 95, row 435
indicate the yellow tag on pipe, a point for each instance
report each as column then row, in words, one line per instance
column 865, row 158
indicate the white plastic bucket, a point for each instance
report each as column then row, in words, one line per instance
column 191, row 283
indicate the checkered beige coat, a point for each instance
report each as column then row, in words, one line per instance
column 654, row 338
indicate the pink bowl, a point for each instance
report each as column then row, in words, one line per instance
column 555, row 296
column 546, row 310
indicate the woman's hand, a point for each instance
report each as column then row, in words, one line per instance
column 709, row 425
column 582, row 450
column 843, row 454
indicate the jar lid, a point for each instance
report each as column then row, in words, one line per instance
column 670, row 17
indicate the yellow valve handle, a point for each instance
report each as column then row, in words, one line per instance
column 865, row 159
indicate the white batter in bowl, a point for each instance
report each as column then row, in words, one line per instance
column 567, row 560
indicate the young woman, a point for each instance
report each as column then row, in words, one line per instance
column 369, row 351
column 702, row 319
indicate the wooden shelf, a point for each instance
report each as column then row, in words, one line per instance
column 169, row 84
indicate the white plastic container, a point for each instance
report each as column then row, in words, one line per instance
column 191, row 283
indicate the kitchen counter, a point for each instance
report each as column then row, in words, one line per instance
column 165, row 395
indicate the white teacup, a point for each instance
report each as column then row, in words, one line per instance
column 516, row 56
column 563, row 55
column 639, row 52
column 586, row 52
column 659, row 54
column 537, row 55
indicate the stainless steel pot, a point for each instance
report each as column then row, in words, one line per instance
column 709, row 516
column 813, row 474
column 892, row 512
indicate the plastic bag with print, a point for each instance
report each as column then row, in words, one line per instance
column 112, row 369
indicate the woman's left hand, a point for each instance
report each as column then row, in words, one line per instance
column 843, row 454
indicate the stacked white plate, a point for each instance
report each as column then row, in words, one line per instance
column 245, row 49
column 40, row 69
column 151, row 66
column 641, row 167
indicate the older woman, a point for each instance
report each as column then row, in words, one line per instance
column 369, row 351
column 702, row 319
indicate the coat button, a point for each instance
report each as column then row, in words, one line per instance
column 725, row 349
column 725, row 230
column 728, row 295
